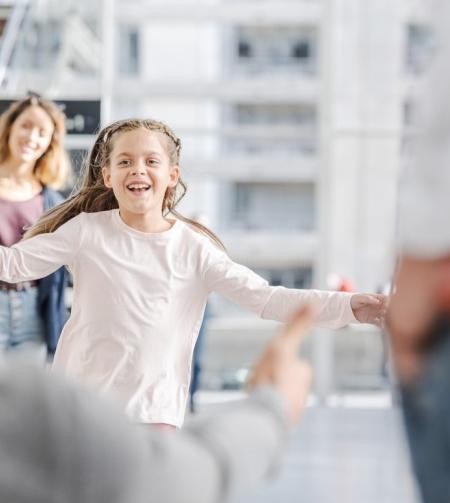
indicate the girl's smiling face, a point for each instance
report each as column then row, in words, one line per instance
column 140, row 172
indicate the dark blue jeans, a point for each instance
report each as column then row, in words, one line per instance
column 426, row 408
column 197, row 360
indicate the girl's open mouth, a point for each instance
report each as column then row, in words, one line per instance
column 138, row 188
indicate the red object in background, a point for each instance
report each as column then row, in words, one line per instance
column 345, row 286
column 339, row 284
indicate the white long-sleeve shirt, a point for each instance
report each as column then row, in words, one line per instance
column 424, row 196
column 138, row 303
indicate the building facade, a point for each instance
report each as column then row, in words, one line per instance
column 292, row 115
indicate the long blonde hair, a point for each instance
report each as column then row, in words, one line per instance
column 92, row 195
column 53, row 167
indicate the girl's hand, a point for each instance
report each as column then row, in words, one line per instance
column 281, row 367
column 369, row 308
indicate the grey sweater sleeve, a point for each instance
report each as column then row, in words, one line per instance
column 214, row 458
column 60, row 443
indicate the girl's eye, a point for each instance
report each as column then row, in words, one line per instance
column 124, row 164
column 152, row 162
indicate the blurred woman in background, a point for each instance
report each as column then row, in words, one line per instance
column 33, row 164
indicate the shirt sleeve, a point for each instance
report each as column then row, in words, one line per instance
column 218, row 457
column 41, row 255
column 209, row 461
column 424, row 191
column 244, row 287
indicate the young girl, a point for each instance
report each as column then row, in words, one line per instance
column 32, row 164
column 141, row 279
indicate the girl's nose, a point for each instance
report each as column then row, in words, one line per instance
column 137, row 170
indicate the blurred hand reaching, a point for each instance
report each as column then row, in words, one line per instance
column 281, row 367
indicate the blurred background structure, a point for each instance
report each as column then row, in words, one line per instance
column 294, row 115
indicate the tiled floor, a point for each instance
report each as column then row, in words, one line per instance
column 351, row 452
column 343, row 455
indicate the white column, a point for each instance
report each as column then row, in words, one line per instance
column 366, row 62
column 108, row 60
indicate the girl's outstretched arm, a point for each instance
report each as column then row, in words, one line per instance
column 41, row 255
column 244, row 287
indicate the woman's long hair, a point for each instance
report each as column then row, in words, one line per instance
column 92, row 195
column 53, row 167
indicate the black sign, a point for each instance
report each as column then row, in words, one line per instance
column 82, row 116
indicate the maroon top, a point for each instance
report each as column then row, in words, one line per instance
column 16, row 215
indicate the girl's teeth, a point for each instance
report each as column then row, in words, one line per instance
column 138, row 187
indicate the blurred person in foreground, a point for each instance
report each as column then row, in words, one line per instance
column 56, row 447
column 33, row 164
column 419, row 313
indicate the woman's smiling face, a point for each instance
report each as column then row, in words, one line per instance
column 30, row 135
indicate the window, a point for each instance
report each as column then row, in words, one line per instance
column 272, row 206
column 301, row 50
column 268, row 114
column 420, row 47
column 42, row 43
column 409, row 126
column 244, row 49
column 271, row 129
column 128, row 49
column 261, row 49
